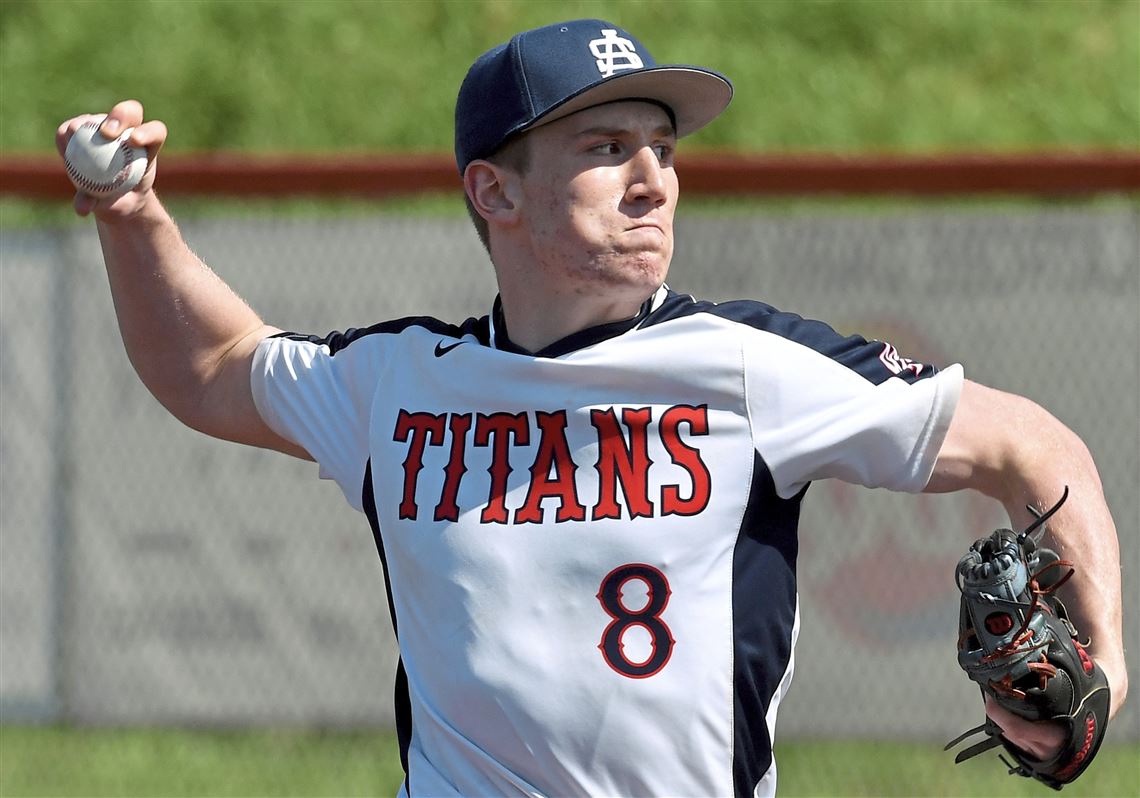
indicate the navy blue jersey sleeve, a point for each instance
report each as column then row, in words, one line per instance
column 873, row 360
column 825, row 405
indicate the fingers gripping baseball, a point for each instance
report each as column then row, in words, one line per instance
column 111, row 159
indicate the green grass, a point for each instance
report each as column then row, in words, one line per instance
column 318, row 75
column 166, row 762
column 916, row 769
column 91, row 762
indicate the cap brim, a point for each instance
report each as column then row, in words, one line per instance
column 697, row 96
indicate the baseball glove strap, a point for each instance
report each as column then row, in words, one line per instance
column 993, row 740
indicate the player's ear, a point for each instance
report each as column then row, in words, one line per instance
column 493, row 192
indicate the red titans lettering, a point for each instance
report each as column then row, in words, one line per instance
column 448, row 507
column 621, row 468
column 687, row 458
column 497, row 429
column 622, row 463
column 553, row 455
column 423, row 428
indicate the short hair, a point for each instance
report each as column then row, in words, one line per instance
column 514, row 154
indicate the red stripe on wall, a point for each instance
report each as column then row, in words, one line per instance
column 242, row 175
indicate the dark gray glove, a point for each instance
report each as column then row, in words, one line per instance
column 1016, row 641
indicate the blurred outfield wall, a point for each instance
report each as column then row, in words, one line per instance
column 151, row 575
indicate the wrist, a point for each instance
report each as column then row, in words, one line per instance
column 134, row 209
column 1118, row 690
column 1117, row 676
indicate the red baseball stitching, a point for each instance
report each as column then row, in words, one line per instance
column 90, row 186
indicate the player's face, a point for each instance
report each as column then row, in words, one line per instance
column 599, row 197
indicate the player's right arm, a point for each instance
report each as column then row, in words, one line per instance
column 190, row 338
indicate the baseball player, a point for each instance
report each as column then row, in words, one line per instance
column 585, row 502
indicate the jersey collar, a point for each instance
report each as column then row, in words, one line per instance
column 499, row 338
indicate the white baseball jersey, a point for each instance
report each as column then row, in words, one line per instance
column 590, row 551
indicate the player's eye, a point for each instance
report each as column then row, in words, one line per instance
column 664, row 152
column 608, row 148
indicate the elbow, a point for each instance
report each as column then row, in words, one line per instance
column 184, row 402
column 182, row 391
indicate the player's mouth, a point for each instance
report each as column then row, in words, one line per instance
column 648, row 226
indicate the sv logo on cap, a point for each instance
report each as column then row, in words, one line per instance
column 614, row 53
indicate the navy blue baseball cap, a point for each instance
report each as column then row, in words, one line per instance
column 548, row 73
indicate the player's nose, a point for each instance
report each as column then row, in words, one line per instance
column 647, row 178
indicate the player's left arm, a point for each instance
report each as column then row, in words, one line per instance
column 1011, row 449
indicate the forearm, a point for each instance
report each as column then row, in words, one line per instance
column 1083, row 532
column 191, row 339
column 178, row 320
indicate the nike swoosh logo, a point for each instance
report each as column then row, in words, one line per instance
column 441, row 350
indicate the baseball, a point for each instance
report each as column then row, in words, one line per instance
column 100, row 166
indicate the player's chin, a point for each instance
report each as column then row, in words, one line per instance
column 651, row 268
column 634, row 266
column 637, row 269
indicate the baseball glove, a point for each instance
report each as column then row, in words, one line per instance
column 1016, row 641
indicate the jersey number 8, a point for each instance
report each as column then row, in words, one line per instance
column 647, row 617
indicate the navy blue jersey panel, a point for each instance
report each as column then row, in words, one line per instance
column 368, row 502
column 401, row 698
column 763, row 616
column 336, row 341
column 864, row 357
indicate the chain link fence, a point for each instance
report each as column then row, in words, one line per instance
column 150, row 575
